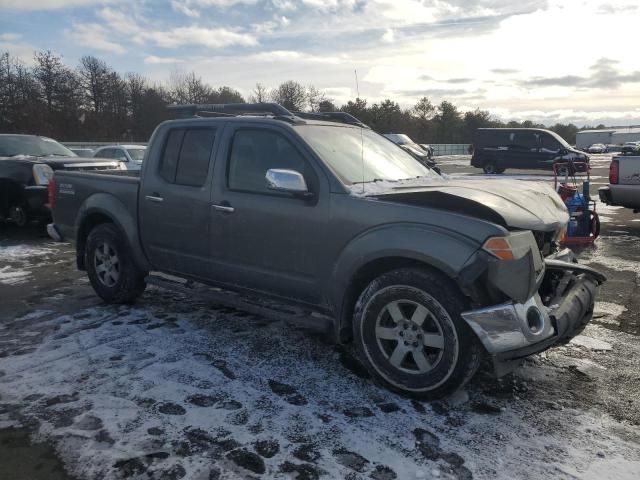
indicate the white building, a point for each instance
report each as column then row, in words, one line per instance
column 611, row 136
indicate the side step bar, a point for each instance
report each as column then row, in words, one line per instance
column 257, row 306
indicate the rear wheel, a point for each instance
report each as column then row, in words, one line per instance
column 410, row 335
column 490, row 168
column 112, row 272
column 18, row 215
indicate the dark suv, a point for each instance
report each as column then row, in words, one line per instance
column 496, row 149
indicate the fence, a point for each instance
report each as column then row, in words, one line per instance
column 95, row 145
column 440, row 149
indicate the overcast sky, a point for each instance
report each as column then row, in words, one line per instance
column 547, row 60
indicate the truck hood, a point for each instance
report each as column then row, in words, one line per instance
column 510, row 203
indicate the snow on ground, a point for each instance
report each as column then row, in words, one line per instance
column 174, row 389
column 17, row 262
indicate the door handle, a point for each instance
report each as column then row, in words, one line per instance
column 153, row 198
column 224, row 207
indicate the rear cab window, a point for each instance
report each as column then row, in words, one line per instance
column 187, row 155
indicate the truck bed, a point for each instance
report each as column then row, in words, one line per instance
column 76, row 191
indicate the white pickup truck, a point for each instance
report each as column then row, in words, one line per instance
column 624, row 182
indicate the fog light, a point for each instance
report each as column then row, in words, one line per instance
column 535, row 320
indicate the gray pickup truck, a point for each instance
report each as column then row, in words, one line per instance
column 624, row 182
column 426, row 275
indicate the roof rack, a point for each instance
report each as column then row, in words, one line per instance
column 275, row 109
column 234, row 109
column 342, row 117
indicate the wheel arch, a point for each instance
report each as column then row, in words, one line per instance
column 361, row 262
column 9, row 189
column 98, row 210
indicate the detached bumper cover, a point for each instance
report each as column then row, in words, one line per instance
column 515, row 330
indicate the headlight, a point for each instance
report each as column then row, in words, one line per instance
column 42, row 173
column 512, row 247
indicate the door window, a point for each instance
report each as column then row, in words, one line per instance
column 253, row 152
column 526, row 141
column 186, row 156
column 106, row 153
column 550, row 144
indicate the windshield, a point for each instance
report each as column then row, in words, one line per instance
column 136, row 154
column 13, row 145
column 359, row 155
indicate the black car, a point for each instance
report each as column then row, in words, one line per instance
column 496, row 149
column 27, row 162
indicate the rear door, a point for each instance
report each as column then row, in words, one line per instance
column 262, row 239
column 175, row 202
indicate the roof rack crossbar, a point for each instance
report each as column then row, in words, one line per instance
column 342, row 117
column 233, row 108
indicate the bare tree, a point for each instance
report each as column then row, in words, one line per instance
column 291, row 95
column 315, row 97
column 259, row 95
column 94, row 75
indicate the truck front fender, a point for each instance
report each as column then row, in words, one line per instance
column 97, row 209
column 392, row 245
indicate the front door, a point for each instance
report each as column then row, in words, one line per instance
column 175, row 202
column 262, row 239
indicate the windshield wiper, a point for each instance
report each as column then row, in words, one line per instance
column 375, row 180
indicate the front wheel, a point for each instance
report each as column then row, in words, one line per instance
column 410, row 335
column 112, row 272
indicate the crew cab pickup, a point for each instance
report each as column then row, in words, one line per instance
column 27, row 162
column 426, row 275
column 624, row 182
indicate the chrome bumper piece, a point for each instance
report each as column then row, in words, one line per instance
column 53, row 232
column 510, row 326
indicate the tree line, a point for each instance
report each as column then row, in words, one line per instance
column 93, row 102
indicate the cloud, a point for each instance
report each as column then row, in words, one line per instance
column 605, row 75
column 388, row 36
column 431, row 92
column 50, row 4
column 183, row 7
column 154, row 60
column 95, row 36
column 504, row 71
column 118, row 20
column 194, row 35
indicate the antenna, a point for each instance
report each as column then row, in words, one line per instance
column 357, row 86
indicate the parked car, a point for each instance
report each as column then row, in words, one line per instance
column 83, row 152
column 624, row 182
column 27, row 162
column 496, row 149
column 427, row 148
column 426, row 275
column 631, row 148
column 597, row 148
column 130, row 155
column 415, row 150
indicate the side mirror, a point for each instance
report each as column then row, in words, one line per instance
column 289, row 181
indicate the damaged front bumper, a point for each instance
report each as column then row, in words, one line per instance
column 512, row 331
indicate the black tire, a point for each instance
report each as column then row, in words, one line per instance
column 448, row 368
column 490, row 168
column 126, row 281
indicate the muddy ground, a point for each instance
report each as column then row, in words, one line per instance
column 171, row 388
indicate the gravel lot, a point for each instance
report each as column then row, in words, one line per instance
column 171, row 388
